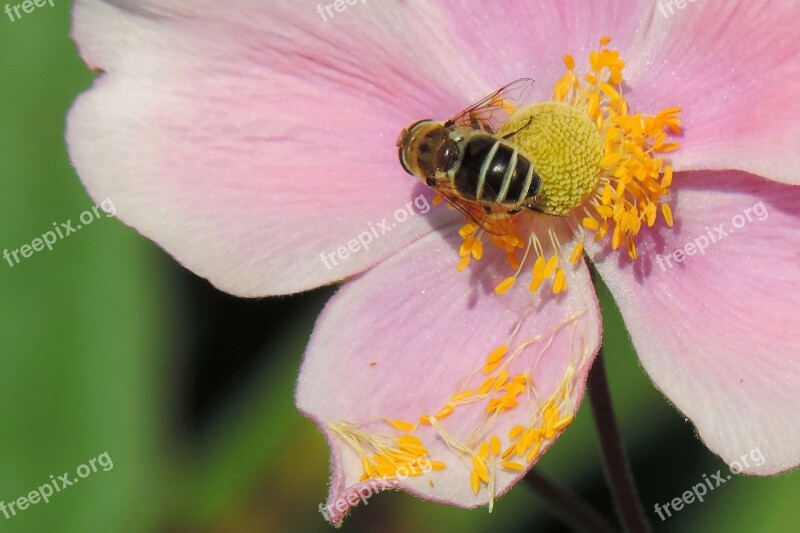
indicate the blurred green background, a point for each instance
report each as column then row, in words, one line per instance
column 107, row 345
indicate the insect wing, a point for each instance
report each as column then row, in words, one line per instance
column 492, row 111
column 493, row 223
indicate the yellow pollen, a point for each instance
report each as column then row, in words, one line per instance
column 505, row 285
column 497, row 354
column 601, row 166
column 602, row 170
column 513, row 466
column 445, row 412
column 577, row 253
column 484, row 450
column 500, row 380
column 463, row 395
column 401, row 424
column 560, row 283
column 495, row 445
column 484, row 388
column 565, row 148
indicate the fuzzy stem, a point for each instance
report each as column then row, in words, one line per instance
column 617, row 468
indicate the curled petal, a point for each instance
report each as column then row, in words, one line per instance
column 250, row 140
column 477, row 385
column 713, row 307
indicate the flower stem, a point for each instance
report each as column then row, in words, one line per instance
column 572, row 510
column 617, row 468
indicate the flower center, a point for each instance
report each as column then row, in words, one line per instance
column 565, row 146
column 601, row 170
column 602, row 173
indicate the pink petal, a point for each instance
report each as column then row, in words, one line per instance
column 537, row 35
column 402, row 339
column 733, row 68
column 250, row 141
column 719, row 331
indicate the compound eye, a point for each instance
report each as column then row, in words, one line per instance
column 430, row 182
column 402, row 156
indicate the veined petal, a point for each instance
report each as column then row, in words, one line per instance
column 414, row 340
column 250, row 139
column 713, row 307
column 732, row 67
column 522, row 38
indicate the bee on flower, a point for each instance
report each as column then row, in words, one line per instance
column 465, row 336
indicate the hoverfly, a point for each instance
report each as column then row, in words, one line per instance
column 477, row 172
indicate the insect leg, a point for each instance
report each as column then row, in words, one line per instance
column 507, row 137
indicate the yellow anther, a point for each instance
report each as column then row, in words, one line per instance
column 521, row 447
column 535, row 284
column 511, row 465
column 577, row 253
column 477, row 249
column 669, row 147
column 466, row 246
column 632, row 249
column 369, row 470
column 500, row 380
column 560, row 283
column 491, row 407
column 484, row 450
column 667, row 211
column 507, row 402
column 533, row 453
column 538, row 268
column 409, row 440
column 505, row 285
column 480, row 468
column 486, row 385
column 550, row 267
column 666, row 181
column 497, row 354
column 402, row 425
column 564, row 422
column 495, row 445
column 569, row 62
column 467, row 229
column 514, row 388
column 463, row 395
column 445, row 412
column 605, row 211
column 488, row 368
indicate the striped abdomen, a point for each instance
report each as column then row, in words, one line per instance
column 491, row 171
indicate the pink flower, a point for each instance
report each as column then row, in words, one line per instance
column 256, row 144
